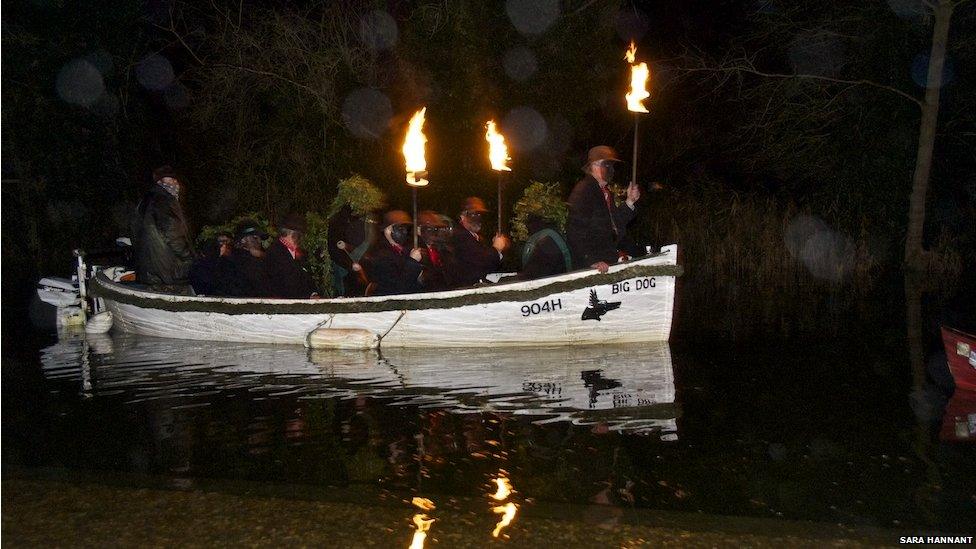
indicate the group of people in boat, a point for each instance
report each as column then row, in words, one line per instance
column 241, row 263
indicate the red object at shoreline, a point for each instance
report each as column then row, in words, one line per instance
column 960, row 349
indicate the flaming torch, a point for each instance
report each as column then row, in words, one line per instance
column 498, row 156
column 413, row 153
column 639, row 74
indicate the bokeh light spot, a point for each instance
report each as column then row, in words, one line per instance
column 379, row 30
column 526, row 127
column 155, row 72
column 532, row 17
column 80, row 83
column 367, row 112
column 520, row 63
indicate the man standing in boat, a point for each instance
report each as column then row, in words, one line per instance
column 286, row 264
column 595, row 222
column 161, row 237
column 474, row 258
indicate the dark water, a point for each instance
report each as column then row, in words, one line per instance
column 843, row 430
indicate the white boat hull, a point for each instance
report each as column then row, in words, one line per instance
column 628, row 309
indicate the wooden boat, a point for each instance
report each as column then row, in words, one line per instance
column 960, row 349
column 633, row 302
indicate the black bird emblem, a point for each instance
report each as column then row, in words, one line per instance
column 598, row 308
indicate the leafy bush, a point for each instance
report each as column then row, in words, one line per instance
column 543, row 200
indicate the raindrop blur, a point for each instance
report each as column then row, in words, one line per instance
column 520, row 63
column 176, row 96
column 920, row 70
column 79, row 82
column 155, row 72
column 826, row 253
column 912, row 10
column 379, row 30
column 630, row 24
column 532, row 17
column 526, row 127
column 813, row 53
column 560, row 134
column 101, row 60
column 366, row 112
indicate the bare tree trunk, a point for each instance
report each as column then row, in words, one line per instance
column 914, row 252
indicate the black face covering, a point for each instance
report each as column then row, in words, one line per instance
column 608, row 167
column 401, row 233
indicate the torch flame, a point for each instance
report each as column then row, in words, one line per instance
column 509, row 509
column 413, row 150
column 631, row 54
column 639, row 74
column 497, row 151
column 420, row 534
column 423, row 504
column 504, row 488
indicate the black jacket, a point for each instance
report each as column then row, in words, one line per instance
column 161, row 239
column 473, row 258
column 287, row 276
column 392, row 272
column 439, row 276
column 590, row 229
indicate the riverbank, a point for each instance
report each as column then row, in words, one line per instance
column 39, row 511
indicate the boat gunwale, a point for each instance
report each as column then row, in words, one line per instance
column 504, row 292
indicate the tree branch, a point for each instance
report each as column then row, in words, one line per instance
column 861, row 82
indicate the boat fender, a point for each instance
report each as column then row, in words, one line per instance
column 99, row 323
column 342, row 338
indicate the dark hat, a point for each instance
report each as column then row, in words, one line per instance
column 600, row 152
column 430, row 218
column 396, row 217
column 249, row 227
column 164, row 171
column 293, row 221
column 473, row 204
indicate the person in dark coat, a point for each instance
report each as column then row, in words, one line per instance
column 213, row 273
column 473, row 257
column 286, row 263
column 437, row 256
column 250, row 260
column 595, row 223
column 161, row 236
column 350, row 236
column 391, row 266
column 545, row 252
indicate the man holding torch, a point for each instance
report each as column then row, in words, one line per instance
column 596, row 223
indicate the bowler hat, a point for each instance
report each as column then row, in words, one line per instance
column 473, row 204
column 294, row 221
column 601, row 152
column 396, row 217
column 249, row 227
column 164, row 171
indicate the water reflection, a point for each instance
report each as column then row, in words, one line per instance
column 624, row 388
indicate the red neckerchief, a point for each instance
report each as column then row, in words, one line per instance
column 435, row 257
column 397, row 249
column 293, row 249
column 606, row 196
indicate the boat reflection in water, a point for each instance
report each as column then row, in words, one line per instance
column 628, row 388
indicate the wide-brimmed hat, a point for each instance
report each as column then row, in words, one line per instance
column 430, row 218
column 473, row 204
column 294, row 221
column 601, row 152
column 249, row 227
column 396, row 217
column 165, row 171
